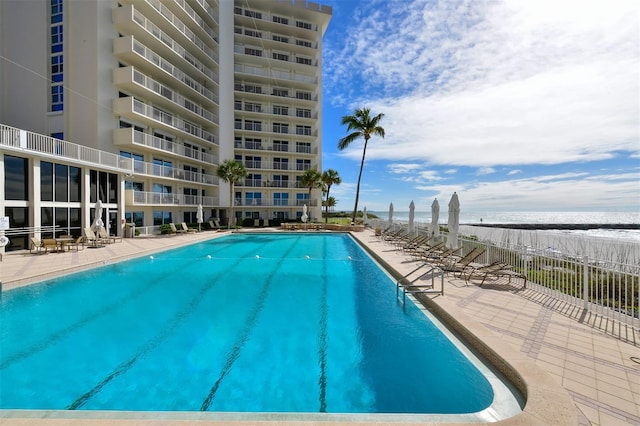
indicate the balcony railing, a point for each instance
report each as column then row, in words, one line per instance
column 293, row 23
column 276, row 148
column 270, row 73
column 125, row 14
column 128, row 135
column 274, row 55
column 158, row 198
column 151, row 169
column 130, row 75
column 128, row 43
column 156, row 114
column 259, row 202
column 275, row 37
column 182, row 28
column 22, row 140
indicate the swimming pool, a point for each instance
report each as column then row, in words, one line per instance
column 243, row 323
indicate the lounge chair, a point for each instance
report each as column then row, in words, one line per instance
column 214, row 225
column 91, row 239
column 425, row 251
column 497, row 270
column 102, row 233
column 37, row 247
column 185, row 228
column 176, row 230
column 465, row 263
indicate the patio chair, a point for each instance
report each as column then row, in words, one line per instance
column 213, row 225
column 497, row 270
column 102, row 233
column 51, row 244
column 36, row 246
column 91, row 239
column 185, row 228
column 77, row 243
column 175, row 230
column 425, row 250
column 465, row 263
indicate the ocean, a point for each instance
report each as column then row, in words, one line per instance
column 596, row 243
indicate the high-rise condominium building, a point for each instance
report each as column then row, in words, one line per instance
column 136, row 103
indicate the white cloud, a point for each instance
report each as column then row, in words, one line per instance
column 486, row 171
column 500, row 83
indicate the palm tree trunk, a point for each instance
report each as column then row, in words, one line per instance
column 326, row 206
column 230, row 205
column 355, row 207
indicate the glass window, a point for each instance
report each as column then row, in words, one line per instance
column 62, row 220
column 46, row 219
column 102, row 186
column 113, row 188
column 75, row 222
column 16, row 178
column 75, row 184
column 93, row 186
column 18, row 218
column 46, row 181
column 62, row 183
column 162, row 218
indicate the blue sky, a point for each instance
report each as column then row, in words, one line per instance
column 530, row 105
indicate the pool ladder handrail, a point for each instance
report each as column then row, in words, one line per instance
column 407, row 282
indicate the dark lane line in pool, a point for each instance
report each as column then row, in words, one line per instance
column 38, row 347
column 322, row 336
column 246, row 331
column 157, row 340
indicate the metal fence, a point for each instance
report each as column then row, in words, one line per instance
column 600, row 292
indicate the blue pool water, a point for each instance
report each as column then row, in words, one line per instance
column 242, row 323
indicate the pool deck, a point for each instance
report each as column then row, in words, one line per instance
column 574, row 374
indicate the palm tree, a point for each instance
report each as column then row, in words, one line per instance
column 311, row 179
column 233, row 172
column 363, row 125
column 330, row 202
column 329, row 177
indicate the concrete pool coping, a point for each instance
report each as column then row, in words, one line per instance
column 546, row 401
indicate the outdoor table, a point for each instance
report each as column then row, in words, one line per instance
column 62, row 242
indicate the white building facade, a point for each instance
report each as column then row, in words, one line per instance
column 136, row 102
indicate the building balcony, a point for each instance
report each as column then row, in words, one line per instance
column 132, row 51
column 266, row 75
column 155, row 170
column 278, row 19
column 174, row 27
column 279, row 148
column 157, row 118
column 259, row 202
column 128, row 137
column 276, row 40
column 161, row 95
column 251, row 53
column 128, row 20
column 268, row 184
column 22, row 141
column 142, row 198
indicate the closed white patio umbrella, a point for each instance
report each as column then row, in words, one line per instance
column 412, row 214
column 364, row 216
column 199, row 216
column 435, row 216
column 97, row 218
column 454, row 221
column 390, row 214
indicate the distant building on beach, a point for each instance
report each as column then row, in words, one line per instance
column 136, row 103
